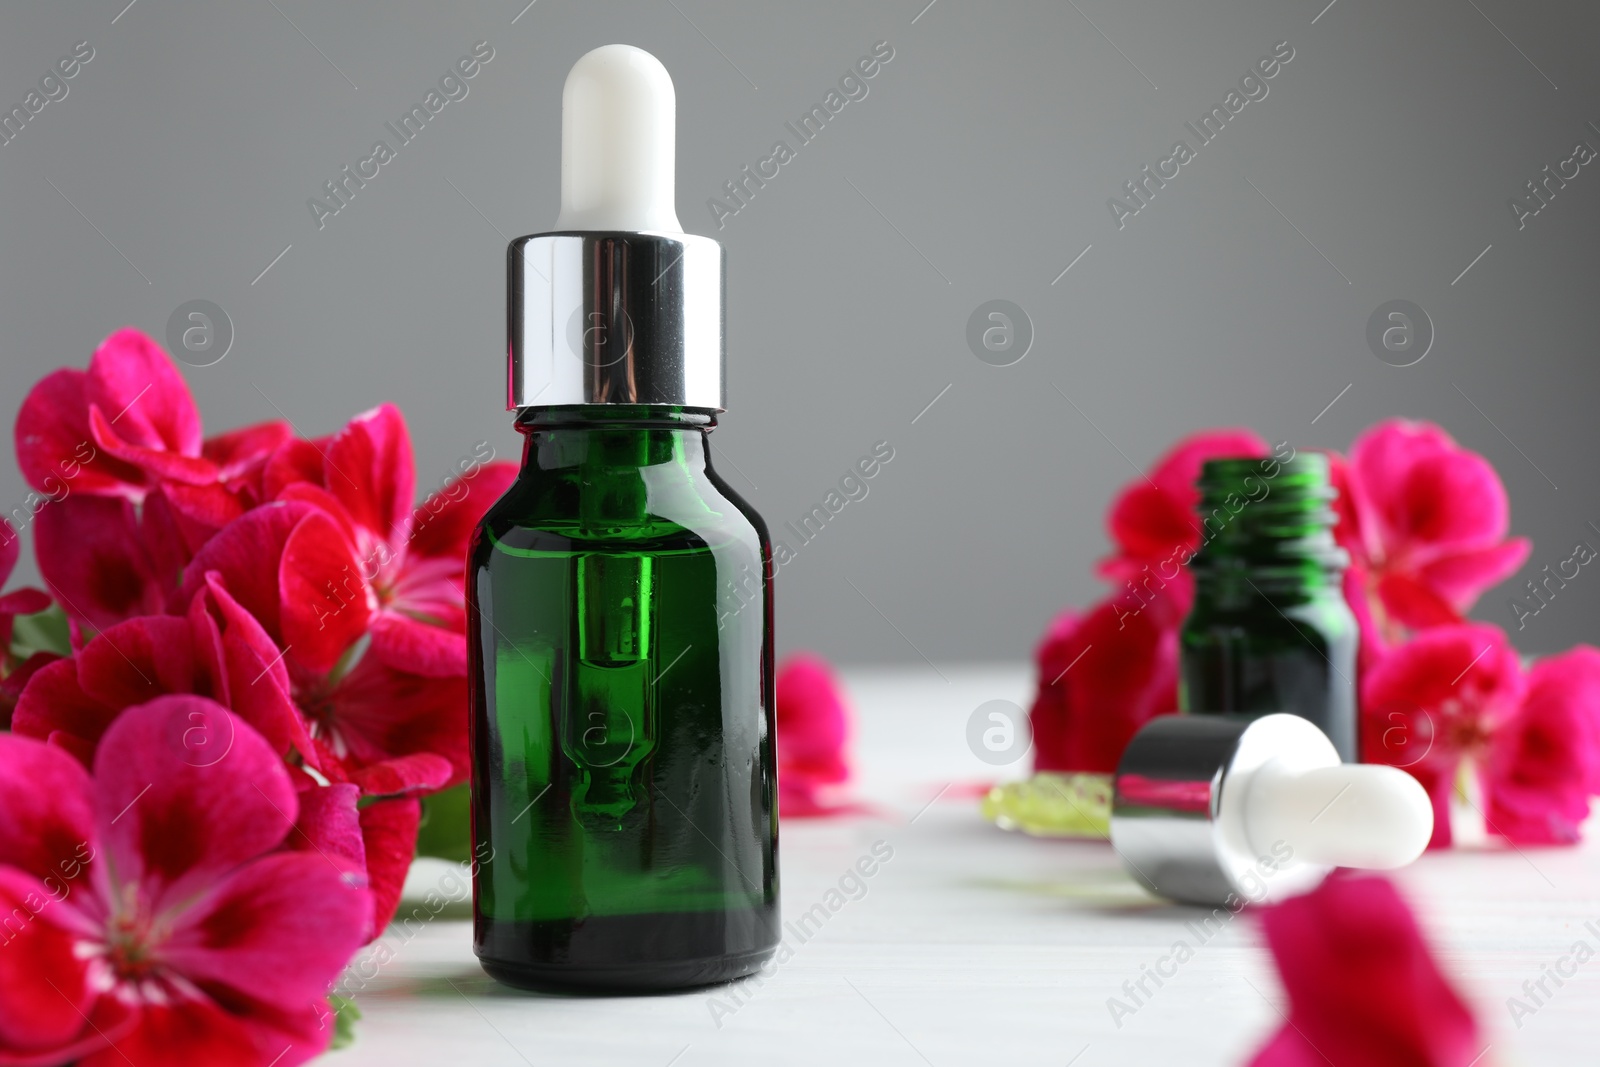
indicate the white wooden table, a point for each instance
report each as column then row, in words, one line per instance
column 975, row 946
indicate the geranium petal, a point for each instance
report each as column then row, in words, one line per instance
column 194, row 1030
column 1460, row 578
column 138, row 386
column 371, row 470
column 444, row 522
column 277, row 931
column 292, row 463
column 1425, row 493
column 1363, row 985
column 56, row 450
column 186, row 791
column 89, row 553
column 813, row 721
column 330, row 824
column 382, row 714
column 238, row 451
column 389, row 830
column 418, row 647
column 1547, row 763
column 1101, row 677
column 46, row 822
column 249, row 669
column 52, row 1015
column 325, row 602
column 157, row 463
column 245, row 553
column 419, row 772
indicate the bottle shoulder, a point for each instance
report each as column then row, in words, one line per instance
column 664, row 511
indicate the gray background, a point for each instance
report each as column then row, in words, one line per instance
column 977, row 168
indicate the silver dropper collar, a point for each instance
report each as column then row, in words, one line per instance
column 1180, row 818
column 615, row 317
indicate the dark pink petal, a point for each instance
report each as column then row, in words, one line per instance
column 139, row 660
column 136, row 384
column 245, row 554
column 157, row 463
column 418, row 647
column 1412, row 603
column 17, row 679
column 89, row 553
column 293, row 462
column 389, row 829
column 418, row 772
column 330, row 825
column 382, row 714
column 209, row 507
column 186, row 791
column 53, row 707
column 56, row 450
column 371, row 470
column 813, row 722
column 307, row 493
column 246, row 449
column 1149, row 523
column 275, row 932
column 200, row 1031
column 1448, row 672
column 1364, row 989
column 444, row 522
column 25, row 601
column 1425, row 492
column 1102, row 676
column 1462, row 577
column 248, row 669
column 1547, row 762
column 1177, row 470
column 51, row 1012
column 325, row 602
column 168, row 538
column 47, row 828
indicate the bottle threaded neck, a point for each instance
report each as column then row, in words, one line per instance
column 1268, row 513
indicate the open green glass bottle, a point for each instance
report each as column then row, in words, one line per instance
column 1270, row 630
column 620, row 610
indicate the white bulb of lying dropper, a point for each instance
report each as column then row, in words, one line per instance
column 618, row 115
column 1347, row 815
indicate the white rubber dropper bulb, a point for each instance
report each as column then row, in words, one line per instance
column 618, row 138
column 1348, row 815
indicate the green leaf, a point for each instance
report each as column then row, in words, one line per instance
column 46, row 631
column 446, row 830
column 345, row 1016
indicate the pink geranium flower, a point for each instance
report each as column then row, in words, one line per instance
column 1425, row 525
column 1154, row 525
column 158, row 910
column 381, row 566
column 1455, row 695
column 220, row 651
column 1102, row 675
column 1364, row 989
column 1106, row 672
column 387, row 730
column 813, row 728
column 133, row 486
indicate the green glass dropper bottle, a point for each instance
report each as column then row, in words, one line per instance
column 624, row 816
column 1270, row 630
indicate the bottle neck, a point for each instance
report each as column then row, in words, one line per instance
column 614, row 436
column 1267, row 524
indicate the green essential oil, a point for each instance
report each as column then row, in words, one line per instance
column 1270, row 630
column 624, row 811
